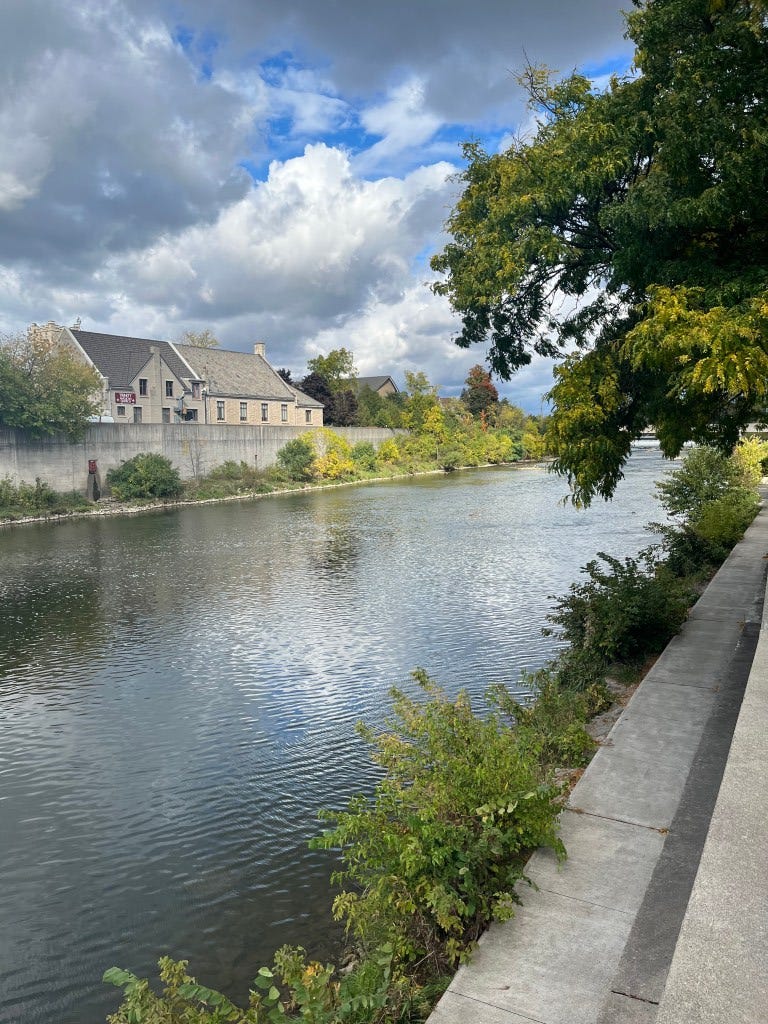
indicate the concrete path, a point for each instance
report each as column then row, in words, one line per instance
column 594, row 944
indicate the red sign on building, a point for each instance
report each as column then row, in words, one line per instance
column 125, row 397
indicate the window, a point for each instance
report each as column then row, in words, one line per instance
column 243, row 411
column 121, row 410
column 264, row 412
column 195, row 388
column 219, row 410
column 191, row 415
column 307, row 415
column 284, row 413
column 137, row 414
column 166, row 415
column 143, row 386
column 169, row 389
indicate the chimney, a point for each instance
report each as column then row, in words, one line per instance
column 260, row 349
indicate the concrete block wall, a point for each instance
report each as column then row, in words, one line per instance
column 194, row 449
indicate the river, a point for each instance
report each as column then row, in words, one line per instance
column 178, row 694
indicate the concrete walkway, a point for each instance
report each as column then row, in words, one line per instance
column 594, row 944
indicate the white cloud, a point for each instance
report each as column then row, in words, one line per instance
column 125, row 126
column 403, row 122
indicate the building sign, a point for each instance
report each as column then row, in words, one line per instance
column 125, row 397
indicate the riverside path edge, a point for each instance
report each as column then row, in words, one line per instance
column 593, row 942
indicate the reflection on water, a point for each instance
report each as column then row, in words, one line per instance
column 178, row 695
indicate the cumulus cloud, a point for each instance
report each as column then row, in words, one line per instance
column 276, row 171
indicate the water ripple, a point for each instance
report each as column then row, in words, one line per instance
column 178, row 695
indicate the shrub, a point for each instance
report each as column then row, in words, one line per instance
column 750, row 455
column 36, row 499
column 334, row 466
column 722, row 522
column 551, row 727
column 705, row 475
column 388, row 451
column 297, row 458
column 364, row 456
column 144, row 476
column 436, row 853
column 620, row 614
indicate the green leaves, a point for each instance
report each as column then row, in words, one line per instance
column 145, row 476
column 644, row 206
column 45, row 389
column 430, row 858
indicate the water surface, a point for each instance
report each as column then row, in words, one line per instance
column 178, row 694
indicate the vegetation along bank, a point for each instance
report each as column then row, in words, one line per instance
column 434, row 435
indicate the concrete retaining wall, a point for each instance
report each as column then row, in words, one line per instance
column 194, row 449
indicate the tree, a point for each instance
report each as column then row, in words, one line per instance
column 316, row 386
column 44, row 388
column 645, row 207
column 340, row 407
column 285, row 374
column 344, row 408
column 421, row 397
column 338, row 368
column 480, row 394
column 200, row 339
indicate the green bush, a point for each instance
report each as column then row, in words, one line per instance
column 363, row 455
column 22, row 500
column 722, row 522
column 622, row 613
column 705, row 475
column 437, row 851
column 297, row 459
column 551, row 727
column 144, row 476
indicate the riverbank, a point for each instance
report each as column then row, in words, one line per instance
column 110, row 507
column 594, row 941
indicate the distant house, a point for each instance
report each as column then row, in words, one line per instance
column 151, row 381
column 381, row 385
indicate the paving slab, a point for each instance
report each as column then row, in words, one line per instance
column 456, row 1009
column 609, row 863
column 621, row 1009
column 629, row 788
column 718, row 971
column 553, row 962
column 645, row 962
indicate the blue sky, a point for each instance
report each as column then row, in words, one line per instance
column 276, row 170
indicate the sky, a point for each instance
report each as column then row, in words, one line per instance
column 274, row 170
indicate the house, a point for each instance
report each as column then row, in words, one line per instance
column 150, row 381
column 240, row 387
column 383, row 385
column 143, row 380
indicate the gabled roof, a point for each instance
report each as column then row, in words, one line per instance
column 120, row 359
column 237, row 374
column 374, row 383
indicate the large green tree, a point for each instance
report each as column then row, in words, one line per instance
column 338, row 368
column 44, row 388
column 629, row 238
